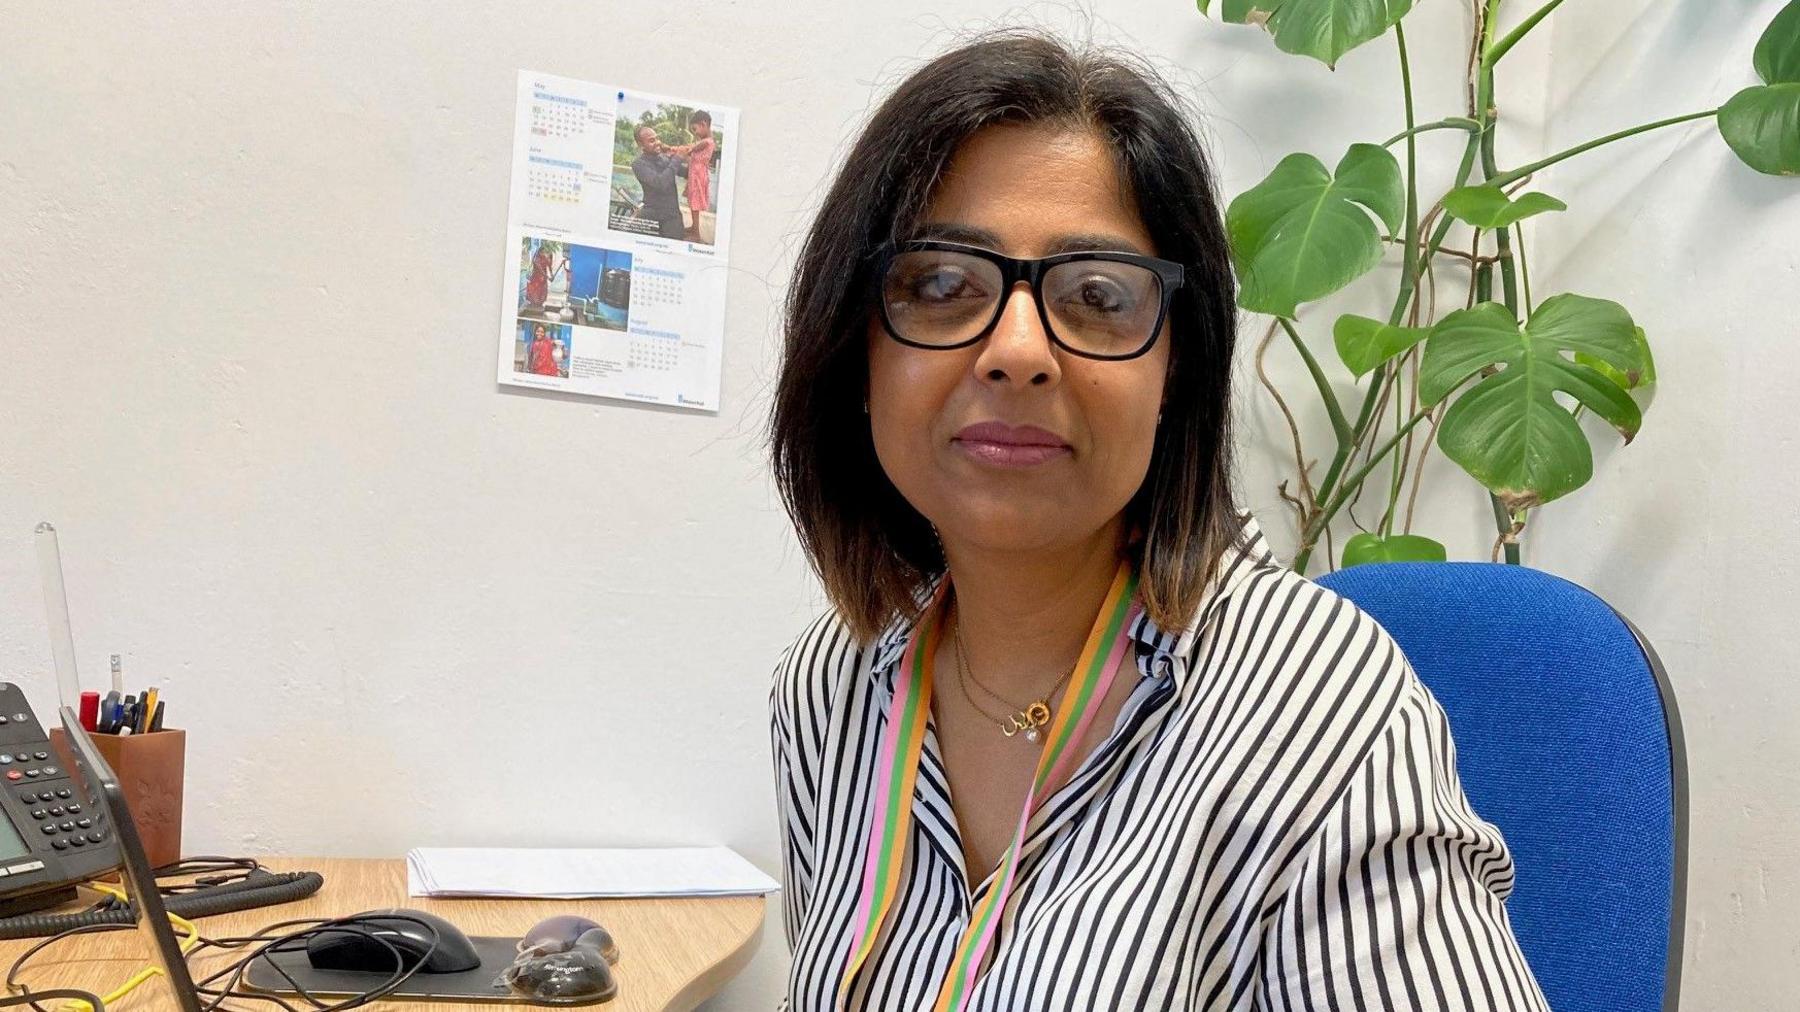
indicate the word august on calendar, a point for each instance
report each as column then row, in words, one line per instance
column 617, row 239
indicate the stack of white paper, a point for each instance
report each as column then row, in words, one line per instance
column 582, row 874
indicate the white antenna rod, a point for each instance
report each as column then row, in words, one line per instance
column 56, row 609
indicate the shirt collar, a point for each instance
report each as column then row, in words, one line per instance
column 1160, row 653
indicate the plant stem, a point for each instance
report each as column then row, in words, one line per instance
column 1524, row 267
column 1410, row 265
column 1448, row 123
column 1502, row 237
column 1525, row 170
column 1355, row 480
column 1339, row 424
column 1505, row 525
column 1508, row 282
column 1401, row 458
column 1499, row 49
column 1408, row 283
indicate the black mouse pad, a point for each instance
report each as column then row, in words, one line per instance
column 480, row 984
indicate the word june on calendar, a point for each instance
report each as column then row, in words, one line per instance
column 618, row 228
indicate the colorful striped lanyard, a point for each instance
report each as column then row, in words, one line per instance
column 897, row 768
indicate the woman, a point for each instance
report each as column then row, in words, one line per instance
column 544, row 353
column 537, row 286
column 1072, row 738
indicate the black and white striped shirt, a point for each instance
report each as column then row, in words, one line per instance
column 1274, row 822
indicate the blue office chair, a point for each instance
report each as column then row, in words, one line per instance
column 1568, row 739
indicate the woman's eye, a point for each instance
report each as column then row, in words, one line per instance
column 1101, row 295
column 944, row 285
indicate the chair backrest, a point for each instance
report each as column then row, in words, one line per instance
column 1568, row 739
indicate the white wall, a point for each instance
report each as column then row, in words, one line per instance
column 247, row 263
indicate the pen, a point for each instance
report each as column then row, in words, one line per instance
column 156, row 718
column 109, row 713
column 118, row 676
column 146, row 707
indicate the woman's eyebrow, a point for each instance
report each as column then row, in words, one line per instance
column 946, row 231
column 1078, row 242
column 1093, row 241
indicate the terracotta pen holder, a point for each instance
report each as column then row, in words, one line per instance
column 150, row 768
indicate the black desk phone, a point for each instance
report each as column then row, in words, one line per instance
column 54, row 833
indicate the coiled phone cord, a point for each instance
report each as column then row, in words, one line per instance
column 257, row 888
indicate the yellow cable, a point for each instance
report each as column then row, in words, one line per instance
column 187, row 945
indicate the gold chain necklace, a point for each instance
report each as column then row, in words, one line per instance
column 1026, row 719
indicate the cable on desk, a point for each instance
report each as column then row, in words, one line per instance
column 75, row 993
column 253, row 888
column 233, row 973
column 26, row 996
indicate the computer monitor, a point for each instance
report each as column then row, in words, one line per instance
column 95, row 779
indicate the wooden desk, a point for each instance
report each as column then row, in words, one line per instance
column 674, row 953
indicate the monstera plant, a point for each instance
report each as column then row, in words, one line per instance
column 1500, row 383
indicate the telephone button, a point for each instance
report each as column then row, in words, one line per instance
column 84, row 823
column 96, row 836
column 63, row 793
column 60, row 844
column 40, row 815
column 77, row 841
column 68, row 827
column 49, row 829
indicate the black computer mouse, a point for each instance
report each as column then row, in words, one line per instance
column 364, row 944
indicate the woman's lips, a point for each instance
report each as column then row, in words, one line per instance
column 1002, row 445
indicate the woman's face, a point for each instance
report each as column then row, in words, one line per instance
column 1074, row 435
column 538, row 334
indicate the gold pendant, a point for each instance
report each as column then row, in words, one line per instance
column 1027, row 720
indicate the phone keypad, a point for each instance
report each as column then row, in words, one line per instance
column 55, row 808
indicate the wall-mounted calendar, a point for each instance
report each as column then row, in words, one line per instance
column 617, row 231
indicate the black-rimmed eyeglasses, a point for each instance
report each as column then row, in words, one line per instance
column 1103, row 305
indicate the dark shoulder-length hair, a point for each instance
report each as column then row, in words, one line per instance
column 873, row 551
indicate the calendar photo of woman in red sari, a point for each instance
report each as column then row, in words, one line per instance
column 542, row 349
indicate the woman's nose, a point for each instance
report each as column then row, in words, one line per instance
column 1018, row 350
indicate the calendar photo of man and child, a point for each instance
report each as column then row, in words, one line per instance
column 666, row 170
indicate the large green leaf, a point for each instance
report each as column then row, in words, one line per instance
column 1302, row 233
column 1364, row 344
column 1365, row 548
column 1762, row 124
column 1509, row 431
column 1777, row 57
column 1489, row 207
column 1321, row 29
